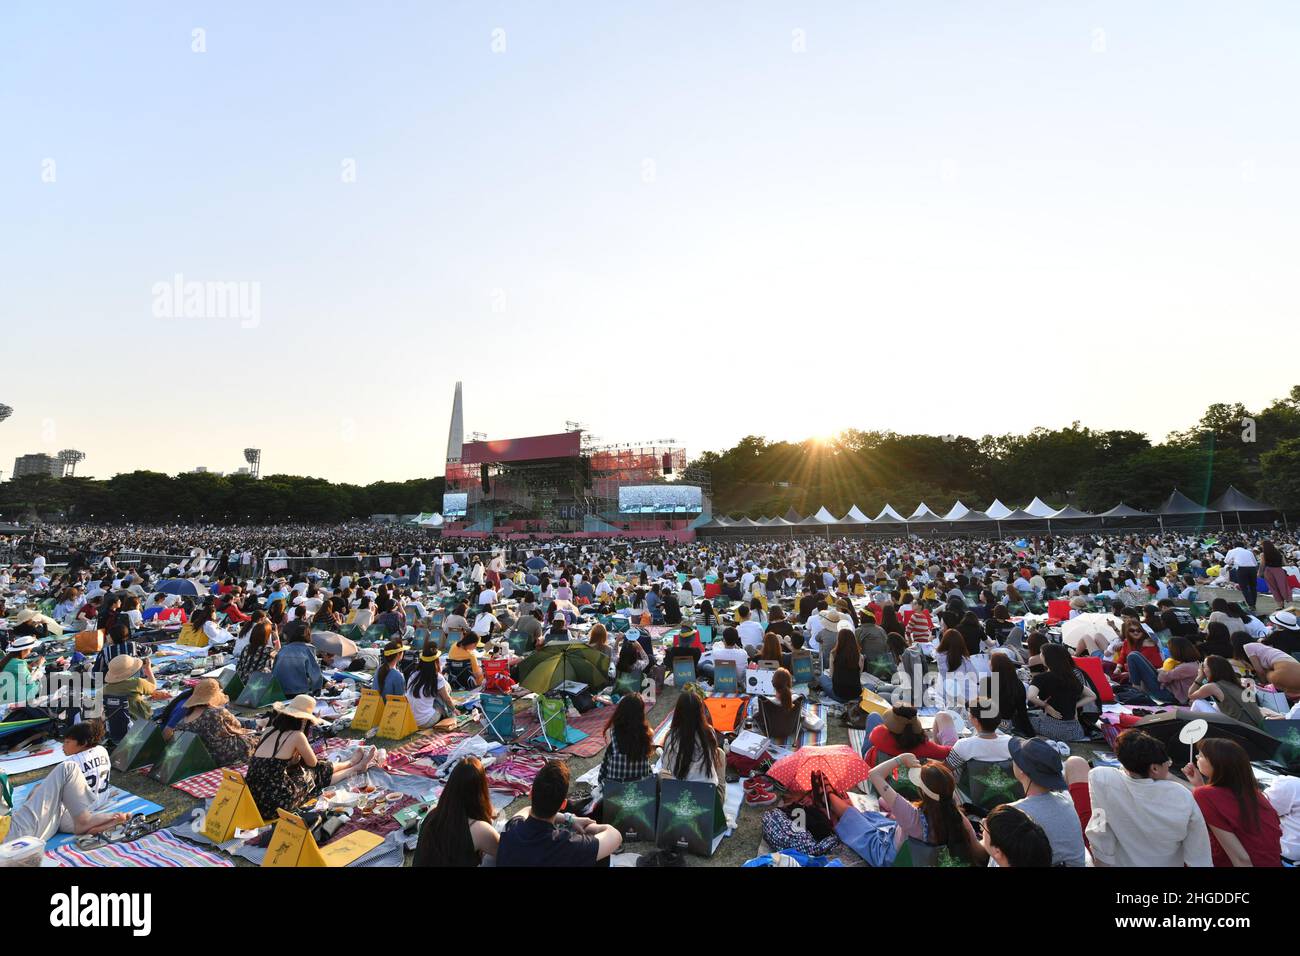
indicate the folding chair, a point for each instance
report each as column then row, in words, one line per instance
column 460, row 675
column 499, row 709
column 776, row 722
column 552, row 714
column 117, row 717
column 726, row 713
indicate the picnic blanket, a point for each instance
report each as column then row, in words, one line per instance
column 205, row 785
column 858, row 741
column 34, row 760
column 114, row 800
column 515, row 773
column 592, row 723
column 160, row 849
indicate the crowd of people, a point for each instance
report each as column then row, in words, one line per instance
column 859, row 612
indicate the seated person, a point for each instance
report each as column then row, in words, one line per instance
column 388, row 679
column 1139, row 815
column 463, row 668
column 1245, row 829
column 119, row 642
column 296, row 666
column 629, row 751
column 258, row 655
column 123, row 679
column 530, row 627
column 900, row 732
column 64, row 801
column 935, row 819
column 545, row 836
column 1012, row 838
column 728, row 649
column 458, row 831
column 844, row 682
column 284, row 772
column 1038, row 768
column 428, row 692
column 229, row 740
column 691, row 750
column 988, row 743
column 789, row 704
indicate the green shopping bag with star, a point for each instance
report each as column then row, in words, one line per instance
column 691, row 817
column 632, row 808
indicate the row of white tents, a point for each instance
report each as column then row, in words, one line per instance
column 1176, row 511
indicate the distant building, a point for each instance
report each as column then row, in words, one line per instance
column 38, row 464
column 203, row 470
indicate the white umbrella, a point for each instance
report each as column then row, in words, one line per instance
column 1088, row 625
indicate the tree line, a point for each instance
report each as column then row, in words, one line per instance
column 151, row 496
column 1257, row 451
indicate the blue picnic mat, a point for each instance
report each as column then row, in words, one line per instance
column 114, row 800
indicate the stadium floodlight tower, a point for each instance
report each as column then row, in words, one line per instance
column 69, row 457
column 5, row 412
column 254, row 458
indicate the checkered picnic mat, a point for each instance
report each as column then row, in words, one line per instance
column 205, row 785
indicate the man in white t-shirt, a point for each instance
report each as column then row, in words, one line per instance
column 750, row 631
column 1245, row 572
column 1141, row 816
column 987, row 744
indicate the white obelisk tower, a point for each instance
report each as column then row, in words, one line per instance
column 456, row 435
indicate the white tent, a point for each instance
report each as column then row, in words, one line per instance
column 923, row 513
column 997, row 510
column 1040, row 508
column 429, row 520
column 855, row 516
column 824, row 516
column 888, row 513
column 958, row 510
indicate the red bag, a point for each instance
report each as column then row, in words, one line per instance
column 496, row 676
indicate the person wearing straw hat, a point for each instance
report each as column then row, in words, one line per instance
column 284, row 772
column 123, row 679
column 228, row 739
column 16, row 683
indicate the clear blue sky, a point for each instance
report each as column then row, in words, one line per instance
column 943, row 217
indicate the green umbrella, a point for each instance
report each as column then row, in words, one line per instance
column 561, row 661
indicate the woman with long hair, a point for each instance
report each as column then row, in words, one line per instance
column 1061, row 694
column 958, row 676
column 1217, row 687
column 428, row 692
column 691, row 750
column 1244, row 828
column 388, row 679
column 771, row 650
column 1181, row 670
column 844, row 682
column 935, row 819
column 259, row 654
column 459, row 831
column 629, row 749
